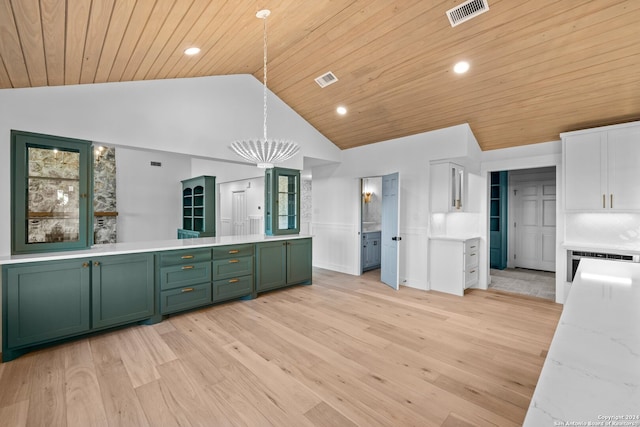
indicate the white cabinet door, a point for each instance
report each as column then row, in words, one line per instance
column 623, row 160
column 584, row 172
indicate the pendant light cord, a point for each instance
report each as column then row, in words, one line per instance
column 264, row 124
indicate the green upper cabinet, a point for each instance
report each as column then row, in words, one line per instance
column 51, row 183
column 282, row 201
column 198, row 207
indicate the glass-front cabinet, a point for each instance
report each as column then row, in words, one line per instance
column 198, row 207
column 51, row 193
column 282, row 201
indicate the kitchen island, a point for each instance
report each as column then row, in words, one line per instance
column 52, row 297
column 591, row 375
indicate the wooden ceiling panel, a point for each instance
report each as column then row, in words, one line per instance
column 537, row 68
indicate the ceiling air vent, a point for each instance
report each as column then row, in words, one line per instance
column 326, row 79
column 467, row 10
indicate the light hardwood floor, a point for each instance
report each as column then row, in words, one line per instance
column 345, row 351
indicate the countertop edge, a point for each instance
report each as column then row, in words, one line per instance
column 148, row 246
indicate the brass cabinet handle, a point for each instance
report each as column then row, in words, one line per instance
column 234, row 280
column 85, row 264
column 611, row 201
column 186, row 256
column 188, row 267
column 234, row 251
column 233, row 261
column 97, row 264
column 603, row 201
column 472, row 271
column 187, row 290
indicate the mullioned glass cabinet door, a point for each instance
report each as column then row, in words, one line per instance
column 282, row 201
column 51, row 193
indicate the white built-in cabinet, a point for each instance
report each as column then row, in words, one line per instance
column 602, row 169
column 447, row 187
column 453, row 264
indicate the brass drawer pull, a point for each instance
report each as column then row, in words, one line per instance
column 188, row 267
column 473, row 254
column 234, row 251
column 234, row 280
column 187, row 290
column 186, row 256
column 473, row 247
column 233, row 261
column 472, row 271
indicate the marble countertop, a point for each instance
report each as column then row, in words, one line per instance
column 150, row 246
column 592, row 370
column 461, row 238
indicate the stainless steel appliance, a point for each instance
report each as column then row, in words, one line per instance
column 575, row 256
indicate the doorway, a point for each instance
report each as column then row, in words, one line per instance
column 380, row 233
column 528, row 227
column 239, row 213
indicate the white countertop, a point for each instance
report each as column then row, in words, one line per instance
column 461, row 238
column 150, row 246
column 592, row 370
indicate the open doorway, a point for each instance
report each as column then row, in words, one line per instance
column 371, row 224
column 522, row 231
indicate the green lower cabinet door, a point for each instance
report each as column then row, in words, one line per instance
column 122, row 289
column 234, row 287
column 185, row 298
column 46, row 301
column 271, row 271
column 299, row 261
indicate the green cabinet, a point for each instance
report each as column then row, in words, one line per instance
column 48, row 301
column 233, row 272
column 198, row 207
column 45, row 301
column 283, row 263
column 122, row 289
column 282, row 201
column 185, row 279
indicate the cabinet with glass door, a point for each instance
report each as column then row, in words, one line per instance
column 282, row 201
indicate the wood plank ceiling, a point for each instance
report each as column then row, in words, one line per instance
column 538, row 68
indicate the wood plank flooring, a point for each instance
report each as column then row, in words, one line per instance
column 346, row 351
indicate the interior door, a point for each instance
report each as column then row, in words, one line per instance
column 239, row 213
column 389, row 268
column 535, row 232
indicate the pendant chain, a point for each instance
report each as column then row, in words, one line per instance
column 264, row 124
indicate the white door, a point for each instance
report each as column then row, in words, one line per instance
column 389, row 265
column 239, row 213
column 535, row 225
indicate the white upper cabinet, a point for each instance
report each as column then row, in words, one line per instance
column 447, row 187
column 602, row 169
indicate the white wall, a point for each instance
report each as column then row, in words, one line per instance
column 197, row 117
column 149, row 197
column 336, row 199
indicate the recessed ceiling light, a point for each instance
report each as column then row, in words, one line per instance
column 341, row 110
column 192, row 51
column 461, row 67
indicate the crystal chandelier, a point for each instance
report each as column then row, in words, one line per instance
column 264, row 151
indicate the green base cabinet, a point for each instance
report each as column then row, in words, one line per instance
column 185, row 279
column 122, row 289
column 283, row 263
column 233, row 267
column 44, row 302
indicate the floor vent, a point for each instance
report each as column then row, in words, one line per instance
column 467, row 10
column 326, row 79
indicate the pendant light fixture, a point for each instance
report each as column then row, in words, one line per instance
column 264, row 151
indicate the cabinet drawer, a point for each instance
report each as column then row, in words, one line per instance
column 185, row 298
column 470, row 277
column 232, row 267
column 232, row 251
column 184, row 257
column 178, row 276
column 471, row 259
column 232, row 288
